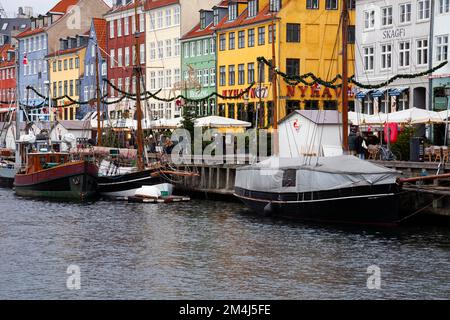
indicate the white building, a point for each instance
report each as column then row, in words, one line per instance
column 310, row 133
column 393, row 37
column 166, row 22
column 76, row 129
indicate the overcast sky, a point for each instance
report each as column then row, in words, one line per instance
column 39, row 6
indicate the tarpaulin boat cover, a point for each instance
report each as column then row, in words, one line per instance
column 313, row 174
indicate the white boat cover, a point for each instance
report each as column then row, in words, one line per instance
column 313, row 174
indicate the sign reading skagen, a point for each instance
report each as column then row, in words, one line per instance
column 396, row 33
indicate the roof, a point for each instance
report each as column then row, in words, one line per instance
column 4, row 56
column 100, row 28
column 63, row 52
column 121, row 8
column 209, row 30
column 75, row 124
column 244, row 20
column 30, row 32
column 155, row 4
column 319, row 117
column 14, row 24
column 63, row 6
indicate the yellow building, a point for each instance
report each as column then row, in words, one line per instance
column 66, row 70
column 307, row 39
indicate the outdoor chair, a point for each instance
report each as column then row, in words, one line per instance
column 445, row 153
column 437, row 154
column 373, row 151
column 429, row 154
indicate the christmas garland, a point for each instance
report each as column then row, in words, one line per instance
column 295, row 80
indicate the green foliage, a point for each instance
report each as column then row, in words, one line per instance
column 402, row 146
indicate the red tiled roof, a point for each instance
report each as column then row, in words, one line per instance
column 4, row 55
column 121, row 8
column 155, row 4
column 30, row 32
column 63, row 6
column 244, row 20
column 100, row 26
column 63, row 52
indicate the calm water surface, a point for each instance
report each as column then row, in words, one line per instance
column 208, row 250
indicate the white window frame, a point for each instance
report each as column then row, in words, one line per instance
column 369, row 58
column 423, row 10
column 405, row 17
column 387, row 16
column 442, row 48
column 420, row 50
column 404, row 53
column 386, row 56
column 369, row 19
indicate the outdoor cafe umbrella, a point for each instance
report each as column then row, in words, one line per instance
column 357, row 118
column 410, row 116
column 221, row 122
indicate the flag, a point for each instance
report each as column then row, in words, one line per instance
column 25, row 60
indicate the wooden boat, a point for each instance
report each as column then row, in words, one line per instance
column 53, row 175
column 7, row 170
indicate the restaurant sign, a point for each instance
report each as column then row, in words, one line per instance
column 316, row 91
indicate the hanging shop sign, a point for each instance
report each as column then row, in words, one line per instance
column 254, row 93
column 316, row 91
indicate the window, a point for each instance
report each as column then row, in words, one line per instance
column 405, row 13
column 205, row 77
column 231, row 41
column 71, row 88
column 212, row 76
column 272, row 35
column 403, row 102
column 293, row 32
column 252, row 8
column 311, row 105
column 66, row 64
column 241, row 74
column 199, row 48
column 442, row 48
column 142, row 52
column 119, row 57
column 444, row 6
column 205, row 46
column 251, row 72
column 153, row 51
column 312, row 4
column 112, row 60
column 54, row 66
column 275, row 5
column 261, row 36
column 216, row 17
column 232, row 11
column 127, row 56
column 261, row 72
column 222, row 76
column 423, row 9
column 351, row 34
column 193, row 49
column 231, row 75
column 369, row 19
column 152, row 80
column 168, row 48
column 186, row 49
column 213, row 46
column 126, row 26
column 160, row 50
column 66, row 88
column 160, row 79
column 331, row 4
column 159, row 20
column 386, row 16
column 222, row 42
column 111, row 29
column 251, row 38
column 293, row 67
column 119, row 27
column 177, row 47
column 141, row 22
column 241, row 39
column 168, row 78
column 168, row 17
column 422, row 52
column 77, row 62
column 176, row 16
column 386, row 56
column 404, row 53
column 351, row 4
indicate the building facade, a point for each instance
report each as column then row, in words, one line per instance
column 96, row 47
column 441, row 34
column 306, row 38
column 393, row 38
column 198, row 64
column 121, row 50
column 7, row 77
column 66, row 18
column 11, row 27
column 66, row 70
column 167, row 21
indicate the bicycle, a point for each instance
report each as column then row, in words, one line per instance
column 386, row 154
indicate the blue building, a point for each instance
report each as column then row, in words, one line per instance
column 96, row 46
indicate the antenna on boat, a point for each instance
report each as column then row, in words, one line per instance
column 274, row 89
column 138, row 71
column 97, row 79
column 344, row 90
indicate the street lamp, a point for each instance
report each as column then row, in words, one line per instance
column 447, row 93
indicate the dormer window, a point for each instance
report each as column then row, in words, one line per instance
column 203, row 20
column 253, row 8
column 216, row 17
column 275, row 5
column 232, row 11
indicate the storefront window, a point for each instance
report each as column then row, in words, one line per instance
column 241, row 112
column 330, row 105
column 311, row 105
column 291, row 106
column 231, row 113
column 270, row 113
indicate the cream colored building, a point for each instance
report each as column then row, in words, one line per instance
column 166, row 23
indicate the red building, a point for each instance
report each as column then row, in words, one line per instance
column 121, row 50
column 7, row 79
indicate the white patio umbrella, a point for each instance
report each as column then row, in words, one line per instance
column 166, row 123
column 357, row 118
column 415, row 116
column 379, row 118
column 220, row 122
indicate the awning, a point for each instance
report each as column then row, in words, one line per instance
column 395, row 92
column 379, row 93
column 362, row 94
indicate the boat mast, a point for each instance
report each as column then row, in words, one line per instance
column 344, row 90
column 274, row 90
column 138, row 71
column 18, row 147
column 97, row 80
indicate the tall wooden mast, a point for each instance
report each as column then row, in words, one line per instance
column 99, row 112
column 344, row 91
column 275, row 142
column 138, row 72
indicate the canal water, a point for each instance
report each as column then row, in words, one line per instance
column 208, row 250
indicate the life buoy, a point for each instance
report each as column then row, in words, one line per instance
column 390, row 132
